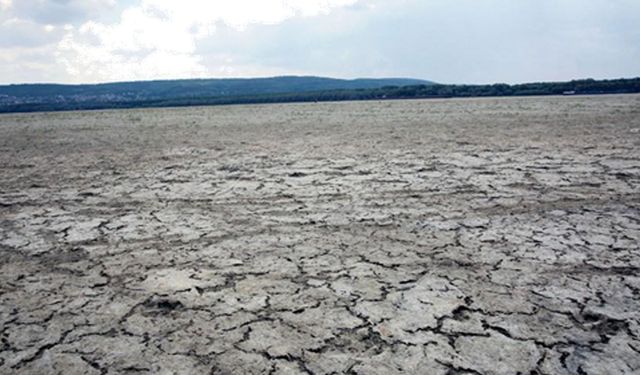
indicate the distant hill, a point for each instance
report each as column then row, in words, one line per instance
column 118, row 94
column 32, row 98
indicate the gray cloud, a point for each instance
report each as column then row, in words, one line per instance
column 452, row 41
column 58, row 12
column 22, row 33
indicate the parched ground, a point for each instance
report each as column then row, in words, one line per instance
column 493, row 236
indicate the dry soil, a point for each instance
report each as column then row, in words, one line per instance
column 478, row 236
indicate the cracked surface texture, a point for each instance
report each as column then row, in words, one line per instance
column 479, row 236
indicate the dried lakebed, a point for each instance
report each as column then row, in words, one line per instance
column 480, row 236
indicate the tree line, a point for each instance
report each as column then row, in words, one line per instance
column 577, row 87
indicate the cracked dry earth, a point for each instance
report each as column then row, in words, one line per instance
column 479, row 236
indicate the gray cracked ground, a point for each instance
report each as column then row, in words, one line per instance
column 494, row 236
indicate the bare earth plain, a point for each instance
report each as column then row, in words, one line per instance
column 477, row 236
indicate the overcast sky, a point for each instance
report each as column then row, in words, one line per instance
column 448, row 41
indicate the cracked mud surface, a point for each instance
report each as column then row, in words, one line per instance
column 494, row 236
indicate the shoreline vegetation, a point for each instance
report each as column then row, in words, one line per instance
column 41, row 98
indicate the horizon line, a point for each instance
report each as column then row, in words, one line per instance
column 304, row 76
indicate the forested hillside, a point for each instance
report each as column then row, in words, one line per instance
column 277, row 90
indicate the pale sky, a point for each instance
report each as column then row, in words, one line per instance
column 448, row 41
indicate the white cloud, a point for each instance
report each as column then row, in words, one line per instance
column 29, row 65
column 5, row 4
column 239, row 13
column 158, row 38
